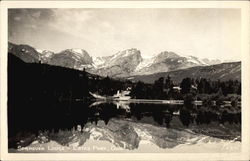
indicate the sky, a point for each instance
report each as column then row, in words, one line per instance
column 205, row 33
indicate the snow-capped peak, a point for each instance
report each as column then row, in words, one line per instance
column 47, row 53
column 125, row 53
column 195, row 60
column 129, row 52
column 39, row 50
column 146, row 62
column 98, row 61
column 76, row 50
column 78, row 53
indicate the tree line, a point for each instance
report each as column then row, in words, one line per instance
column 164, row 88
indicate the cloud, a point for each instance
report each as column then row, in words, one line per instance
column 198, row 32
column 72, row 21
column 21, row 20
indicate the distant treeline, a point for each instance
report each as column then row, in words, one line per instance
column 164, row 88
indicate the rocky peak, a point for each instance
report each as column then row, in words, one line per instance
column 126, row 53
column 25, row 52
column 45, row 55
column 165, row 55
column 129, row 52
column 130, row 56
column 78, row 55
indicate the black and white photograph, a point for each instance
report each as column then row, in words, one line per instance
column 124, row 80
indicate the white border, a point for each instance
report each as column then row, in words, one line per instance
column 243, row 5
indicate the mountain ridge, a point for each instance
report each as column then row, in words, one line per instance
column 223, row 71
column 124, row 63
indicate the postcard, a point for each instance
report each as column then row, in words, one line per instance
column 125, row 80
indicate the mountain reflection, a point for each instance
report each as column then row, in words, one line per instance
column 122, row 123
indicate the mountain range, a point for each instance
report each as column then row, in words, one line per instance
column 223, row 71
column 126, row 63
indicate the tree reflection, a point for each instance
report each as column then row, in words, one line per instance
column 65, row 116
column 185, row 116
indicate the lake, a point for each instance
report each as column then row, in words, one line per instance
column 122, row 126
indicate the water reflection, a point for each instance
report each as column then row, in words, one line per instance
column 82, row 116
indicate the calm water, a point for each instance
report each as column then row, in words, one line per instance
column 123, row 124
